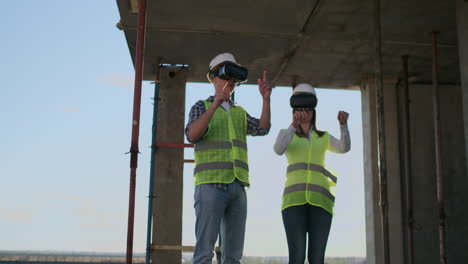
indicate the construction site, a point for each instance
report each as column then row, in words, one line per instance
column 408, row 59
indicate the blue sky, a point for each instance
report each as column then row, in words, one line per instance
column 65, row 112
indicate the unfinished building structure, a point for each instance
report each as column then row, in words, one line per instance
column 409, row 59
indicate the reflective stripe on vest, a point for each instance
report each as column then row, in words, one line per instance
column 312, row 167
column 220, row 145
column 309, row 187
column 221, row 155
column 221, row 166
column 239, row 144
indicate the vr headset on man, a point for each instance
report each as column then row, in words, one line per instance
column 230, row 71
column 226, row 67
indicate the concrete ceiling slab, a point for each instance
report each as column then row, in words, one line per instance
column 325, row 42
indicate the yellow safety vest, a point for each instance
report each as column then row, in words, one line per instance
column 221, row 156
column 307, row 179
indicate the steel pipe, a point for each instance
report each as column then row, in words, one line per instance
column 136, row 125
column 154, row 130
column 438, row 155
column 406, row 160
column 381, row 130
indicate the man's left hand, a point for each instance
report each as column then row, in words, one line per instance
column 264, row 86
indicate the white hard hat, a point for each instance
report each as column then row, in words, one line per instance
column 219, row 59
column 304, row 88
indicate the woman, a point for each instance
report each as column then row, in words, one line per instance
column 308, row 197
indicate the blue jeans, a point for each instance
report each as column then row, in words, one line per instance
column 300, row 221
column 220, row 209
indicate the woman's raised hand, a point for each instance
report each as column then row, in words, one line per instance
column 343, row 117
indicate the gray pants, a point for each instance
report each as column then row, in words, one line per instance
column 220, row 209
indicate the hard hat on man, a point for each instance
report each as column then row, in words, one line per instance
column 225, row 66
column 220, row 59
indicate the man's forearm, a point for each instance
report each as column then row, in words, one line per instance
column 266, row 113
column 197, row 128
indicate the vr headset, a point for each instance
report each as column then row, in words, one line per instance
column 230, row 71
column 303, row 101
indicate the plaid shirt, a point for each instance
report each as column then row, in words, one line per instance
column 253, row 127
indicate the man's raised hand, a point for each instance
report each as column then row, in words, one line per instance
column 264, row 86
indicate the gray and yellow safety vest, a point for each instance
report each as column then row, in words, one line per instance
column 221, row 156
column 308, row 181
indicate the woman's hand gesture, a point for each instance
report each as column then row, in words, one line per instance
column 298, row 118
column 343, row 117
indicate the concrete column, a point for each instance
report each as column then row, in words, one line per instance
column 424, row 189
column 454, row 174
column 395, row 216
column 462, row 25
column 423, row 175
column 168, row 177
column 371, row 180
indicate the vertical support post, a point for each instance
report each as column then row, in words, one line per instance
column 136, row 125
column 151, row 196
column 462, row 36
column 406, row 147
column 169, row 161
column 440, row 186
column 381, row 130
column 374, row 246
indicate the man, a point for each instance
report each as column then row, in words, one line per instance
column 218, row 127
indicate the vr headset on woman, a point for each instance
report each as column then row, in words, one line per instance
column 303, row 101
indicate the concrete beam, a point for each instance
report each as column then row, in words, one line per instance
column 168, row 177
